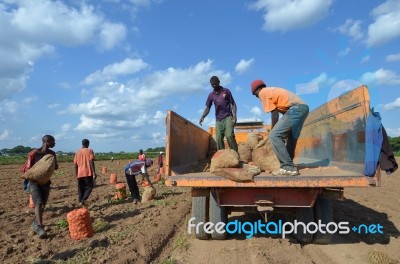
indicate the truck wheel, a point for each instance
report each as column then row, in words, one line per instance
column 217, row 214
column 304, row 215
column 323, row 212
column 199, row 212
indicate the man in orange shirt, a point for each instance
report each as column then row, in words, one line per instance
column 294, row 112
column 85, row 171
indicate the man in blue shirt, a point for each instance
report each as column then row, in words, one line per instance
column 225, row 113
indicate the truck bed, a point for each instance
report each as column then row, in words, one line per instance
column 329, row 177
column 330, row 151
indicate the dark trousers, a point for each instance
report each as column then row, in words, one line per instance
column 85, row 188
column 40, row 193
column 132, row 184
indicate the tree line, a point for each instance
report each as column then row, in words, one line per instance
column 25, row 150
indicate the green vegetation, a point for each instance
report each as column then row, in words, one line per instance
column 19, row 154
column 395, row 143
column 62, row 223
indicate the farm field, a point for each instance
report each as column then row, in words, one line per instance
column 156, row 232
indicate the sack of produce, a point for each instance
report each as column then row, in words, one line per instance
column 42, row 170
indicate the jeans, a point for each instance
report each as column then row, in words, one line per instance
column 132, row 184
column 288, row 129
column 225, row 128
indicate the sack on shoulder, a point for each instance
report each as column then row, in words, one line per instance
column 42, row 170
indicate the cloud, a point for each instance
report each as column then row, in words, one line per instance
column 7, row 108
column 112, row 71
column 393, row 57
column 365, row 59
column 381, row 76
column 351, row 28
column 255, row 110
column 390, row 106
column 393, row 132
column 323, row 80
column 244, row 65
column 117, row 105
column 4, row 135
column 286, row 15
column 31, row 30
column 386, row 26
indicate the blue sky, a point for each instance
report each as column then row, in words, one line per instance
column 109, row 70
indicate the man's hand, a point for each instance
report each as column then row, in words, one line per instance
column 201, row 120
column 234, row 119
column 95, row 176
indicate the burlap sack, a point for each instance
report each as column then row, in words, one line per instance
column 42, row 170
column 148, row 194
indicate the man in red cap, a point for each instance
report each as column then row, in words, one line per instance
column 225, row 114
column 294, row 111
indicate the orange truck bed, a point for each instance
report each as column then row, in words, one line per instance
column 330, row 151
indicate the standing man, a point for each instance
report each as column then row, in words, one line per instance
column 141, row 155
column 40, row 193
column 294, row 110
column 85, row 171
column 225, row 114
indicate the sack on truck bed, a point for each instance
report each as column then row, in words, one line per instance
column 42, row 170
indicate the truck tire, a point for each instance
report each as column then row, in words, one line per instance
column 217, row 214
column 323, row 212
column 304, row 215
column 199, row 212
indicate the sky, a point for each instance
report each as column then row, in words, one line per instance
column 110, row 70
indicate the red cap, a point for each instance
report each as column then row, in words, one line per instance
column 256, row 84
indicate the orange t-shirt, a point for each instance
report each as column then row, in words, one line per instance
column 278, row 98
column 82, row 159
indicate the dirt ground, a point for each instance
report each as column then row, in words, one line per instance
column 156, row 232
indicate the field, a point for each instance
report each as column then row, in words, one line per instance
column 156, row 232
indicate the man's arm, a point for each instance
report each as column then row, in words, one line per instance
column 274, row 117
column 234, row 110
column 93, row 169
column 205, row 113
column 76, row 170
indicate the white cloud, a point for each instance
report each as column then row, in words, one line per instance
column 323, row 80
column 244, row 65
column 255, row 110
column 351, row 28
column 365, row 59
column 52, row 106
column 381, row 76
column 111, row 104
column 393, row 132
column 392, row 105
column 7, row 108
column 28, row 100
column 386, row 26
column 285, row 15
column 111, row 34
column 31, row 30
column 393, row 57
column 4, row 135
column 307, row 88
column 344, row 52
column 112, row 71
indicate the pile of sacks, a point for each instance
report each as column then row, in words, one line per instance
column 255, row 155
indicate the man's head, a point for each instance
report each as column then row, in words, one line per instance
column 140, row 151
column 214, row 81
column 85, row 143
column 161, row 152
column 49, row 141
column 256, row 86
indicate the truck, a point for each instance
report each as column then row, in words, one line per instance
column 330, row 154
